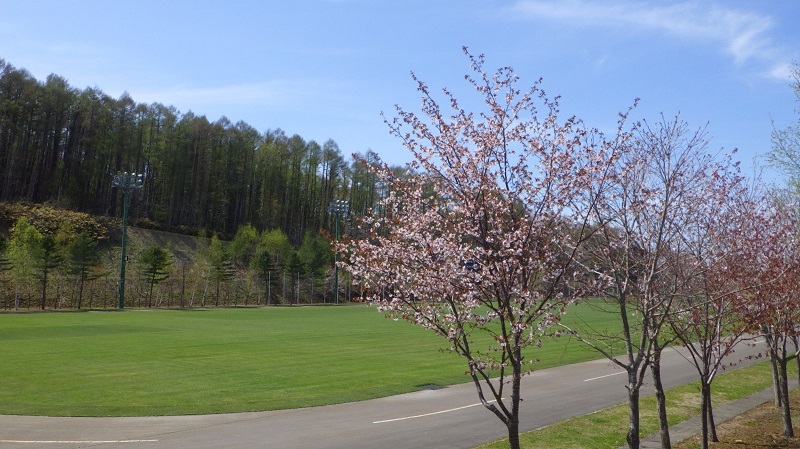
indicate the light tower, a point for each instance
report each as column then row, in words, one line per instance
column 125, row 181
column 338, row 208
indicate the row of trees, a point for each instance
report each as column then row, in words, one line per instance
column 62, row 145
column 517, row 213
column 69, row 269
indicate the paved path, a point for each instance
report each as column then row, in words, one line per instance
column 445, row 418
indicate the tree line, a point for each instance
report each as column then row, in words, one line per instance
column 52, row 262
column 61, row 145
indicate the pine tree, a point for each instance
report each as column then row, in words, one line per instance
column 154, row 265
column 83, row 257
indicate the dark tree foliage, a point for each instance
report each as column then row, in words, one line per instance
column 154, row 266
column 48, row 258
column 267, row 273
column 62, row 146
column 83, row 257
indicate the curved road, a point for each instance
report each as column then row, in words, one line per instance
column 446, row 418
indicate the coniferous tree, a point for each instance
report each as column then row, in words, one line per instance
column 295, row 269
column 266, row 269
column 154, row 266
column 221, row 265
column 48, row 258
column 83, row 257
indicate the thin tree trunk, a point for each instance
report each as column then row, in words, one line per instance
column 712, row 426
column 661, row 402
column 796, row 341
column 633, row 419
column 513, row 421
column 80, row 289
column 44, row 285
column 774, row 364
column 788, row 431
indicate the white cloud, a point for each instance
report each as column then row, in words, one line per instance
column 743, row 35
column 781, row 71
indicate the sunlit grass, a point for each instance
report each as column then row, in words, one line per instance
column 167, row 362
column 607, row 428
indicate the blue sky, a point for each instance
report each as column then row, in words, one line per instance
column 327, row 68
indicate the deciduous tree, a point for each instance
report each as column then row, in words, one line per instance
column 642, row 225
column 23, row 245
column 479, row 246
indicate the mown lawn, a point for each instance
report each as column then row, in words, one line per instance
column 606, row 429
column 172, row 362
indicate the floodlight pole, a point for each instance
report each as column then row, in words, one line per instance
column 125, row 181
column 337, row 207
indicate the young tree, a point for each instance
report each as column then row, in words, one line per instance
column 154, row 266
column 48, row 258
column 244, row 246
column 23, row 245
column 221, row 265
column 642, row 226
column 83, row 257
column 297, row 271
column 708, row 319
column 277, row 243
column 772, row 306
column 316, row 255
column 266, row 268
column 482, row 241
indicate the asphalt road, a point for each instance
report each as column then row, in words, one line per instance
column 446, row 418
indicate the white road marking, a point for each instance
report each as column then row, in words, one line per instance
column 607, row 375
column 429, row 414
column 76, row 441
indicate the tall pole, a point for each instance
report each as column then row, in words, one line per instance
column 125, row 181
column 336, row 265
column 126, row 198
column 337, row 207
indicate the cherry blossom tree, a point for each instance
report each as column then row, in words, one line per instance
column 477, row 240
column 708, row 318
column 772, row 306
column 643, row 223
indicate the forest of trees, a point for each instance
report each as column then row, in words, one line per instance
column 62, row 146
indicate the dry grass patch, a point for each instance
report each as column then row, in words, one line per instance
column 759, row 428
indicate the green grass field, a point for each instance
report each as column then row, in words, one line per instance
column 607, row 428
column 172, row 362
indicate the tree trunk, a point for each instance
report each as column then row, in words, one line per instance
column 774, row 363
column 709, row 428
column 633, row 419
column 796, row 341
column 80, row 289
column 150, row 296
column 513, row 421
column 513, row 435
column 661, row 402
column 788, row 431
column 712, row 426
column 44, row 284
